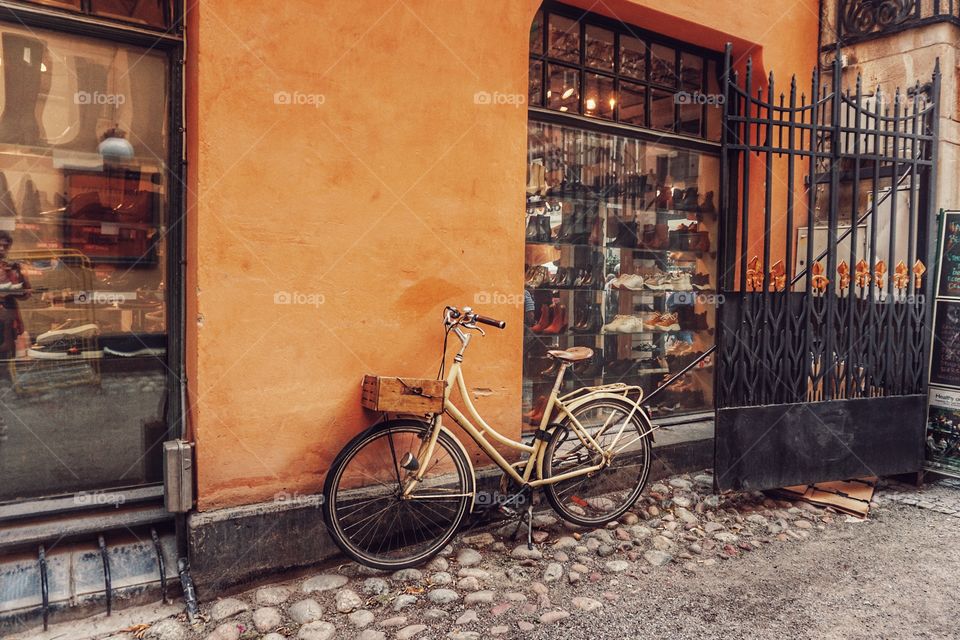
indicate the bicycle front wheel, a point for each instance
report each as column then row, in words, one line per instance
column 364, row 507
column 596, row 498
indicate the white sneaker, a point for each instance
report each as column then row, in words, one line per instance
column 614, row 325
column 80, row 331
column 631, row 281
column 632, row 324
column 682, row 283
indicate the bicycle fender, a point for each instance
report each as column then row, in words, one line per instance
column 616, row 397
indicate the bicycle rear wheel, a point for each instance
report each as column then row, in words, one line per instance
column 365, row 511
column 594, row 499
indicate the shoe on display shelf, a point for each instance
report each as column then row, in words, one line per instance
column 134, row 345
column 78, row 332
column 667, row 322
column 64, row 350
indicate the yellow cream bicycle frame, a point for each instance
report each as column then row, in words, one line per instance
column 555, row 405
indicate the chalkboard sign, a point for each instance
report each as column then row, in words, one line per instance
column 945, row 360
column 949, row 276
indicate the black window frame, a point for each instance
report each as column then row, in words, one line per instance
column 619, row 29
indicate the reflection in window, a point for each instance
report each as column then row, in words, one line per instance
column 599, row 98
column 599, row 52
column 564, row 39
column 563, row 93
column 83, row 220
column 633, row 57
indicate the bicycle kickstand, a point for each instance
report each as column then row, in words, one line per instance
column 529, row 517
column 530, row 525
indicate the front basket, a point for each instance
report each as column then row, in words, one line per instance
column 402, row 395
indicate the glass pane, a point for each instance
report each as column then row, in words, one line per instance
column 598, row 96
column 715, row 109
column 691, row 115
column 535, row 85
column 599, row 52
column 633, row 57
column 536, row 34
column 150, row 12
column 563, row 92
column 691, row 72
column 83, row 227
column 663, row 65
column 620, row 234
column 633, row 106
column 662, row 104
column 564, row 39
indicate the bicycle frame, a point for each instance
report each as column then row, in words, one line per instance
column 478, row 430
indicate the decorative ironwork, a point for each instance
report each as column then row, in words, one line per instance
column 843, row 330
column 863, row 17
column 859, row 20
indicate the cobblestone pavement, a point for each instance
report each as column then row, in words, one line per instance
column 682, row 564
column 942, row 496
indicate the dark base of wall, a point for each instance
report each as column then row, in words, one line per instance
column 233, row 546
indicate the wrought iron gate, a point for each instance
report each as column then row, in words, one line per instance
column 822, row 346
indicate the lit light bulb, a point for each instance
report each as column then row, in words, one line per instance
column 563, row 108
column 549, row 93
column 566, row 94
column 613, row 102
column 591, row 104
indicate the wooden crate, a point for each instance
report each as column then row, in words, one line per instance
column 402, row 395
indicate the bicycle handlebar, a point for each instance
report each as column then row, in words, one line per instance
column 499, row 324
column 468, row 317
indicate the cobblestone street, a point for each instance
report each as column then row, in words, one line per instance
column 683, row 564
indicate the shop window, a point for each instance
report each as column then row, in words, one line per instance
column 84, row 235
column 621, row 232
column 621, row 258
column 621, row 74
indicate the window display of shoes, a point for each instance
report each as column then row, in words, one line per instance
column 620, row 234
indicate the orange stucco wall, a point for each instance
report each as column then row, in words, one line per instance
column 386, row 194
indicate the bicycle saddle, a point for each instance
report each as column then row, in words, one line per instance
column 573, row 354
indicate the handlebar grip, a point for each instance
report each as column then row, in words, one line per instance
column 499, row 324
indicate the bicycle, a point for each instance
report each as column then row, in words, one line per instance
column 398, row 492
